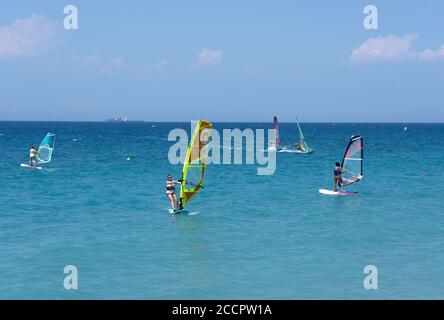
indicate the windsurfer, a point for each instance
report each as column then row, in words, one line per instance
column 337, row 176
column 32, row 153
column 271, row 145
column 299, row 147
column 171, row 192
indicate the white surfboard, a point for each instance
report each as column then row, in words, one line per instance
column 304, row 152
column 171, row 211
column 30, row 167
column 336, row 193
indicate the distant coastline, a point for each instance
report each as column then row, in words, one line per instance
column 122, row 119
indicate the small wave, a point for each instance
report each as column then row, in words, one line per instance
column 288, row 151
column 152, row 138
column 226, row 148
column 283, row 150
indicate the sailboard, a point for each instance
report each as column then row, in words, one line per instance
column 301, row 145
column 176, row 211
column 352, row 164
column 194, row 167
column 336, row 193
column 30, row 167
column 277, row 143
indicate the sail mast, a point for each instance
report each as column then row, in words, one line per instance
column 301, row 136
column 276, row 132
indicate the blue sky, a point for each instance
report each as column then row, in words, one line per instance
column 222, row 61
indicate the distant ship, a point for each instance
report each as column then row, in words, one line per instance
column 123, row 119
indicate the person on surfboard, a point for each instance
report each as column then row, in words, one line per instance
column 299, row 147
column 337, row 176
column 171, row 192
column 271, row 145
column 32, row 153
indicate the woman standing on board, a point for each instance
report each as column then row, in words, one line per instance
column 32, row 154
column 171, row 191
column 299, row 147
column 337, row 176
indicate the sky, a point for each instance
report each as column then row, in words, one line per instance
column 222, row 61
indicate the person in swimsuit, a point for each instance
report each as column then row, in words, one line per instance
column 171, row 192
column 32, row 153
column 337, row 176
column 271, row 145
column 299, row 147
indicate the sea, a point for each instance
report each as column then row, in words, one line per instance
column 244, row 236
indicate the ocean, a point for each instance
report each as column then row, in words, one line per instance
column 245, row 236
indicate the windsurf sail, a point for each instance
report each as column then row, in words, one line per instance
column 195, row 162
column 302, row 144
column 353, row 161
column 46, row 149
column 276, row 133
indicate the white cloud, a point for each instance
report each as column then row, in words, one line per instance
column 91, row 62
column 430, row 55
column 209, row 57
column 390, row 48
column 395, row 49
column 27, row 37
column 117, row 66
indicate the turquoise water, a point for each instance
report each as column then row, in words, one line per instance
column 248, row 236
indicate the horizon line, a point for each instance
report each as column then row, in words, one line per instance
column 153, row 121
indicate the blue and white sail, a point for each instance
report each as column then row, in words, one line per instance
column 46, row 149
column 353, row 161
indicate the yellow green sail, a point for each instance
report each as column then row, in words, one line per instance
column 195, row 162
column 303, row 146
